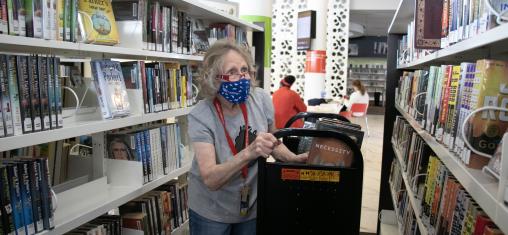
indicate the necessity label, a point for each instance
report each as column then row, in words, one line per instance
column 310, row 175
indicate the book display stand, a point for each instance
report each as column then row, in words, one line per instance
column 309, row 199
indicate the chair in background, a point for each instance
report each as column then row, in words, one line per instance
column 358, row 110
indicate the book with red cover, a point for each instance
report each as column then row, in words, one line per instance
column 330, row 152
column 482, row 221
column 428, row 14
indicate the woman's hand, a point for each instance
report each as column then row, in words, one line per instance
column 262, row 146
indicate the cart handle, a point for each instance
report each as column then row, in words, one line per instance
column 357, row 154
column 315, row 115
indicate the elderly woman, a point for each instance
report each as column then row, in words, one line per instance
column 229, row 131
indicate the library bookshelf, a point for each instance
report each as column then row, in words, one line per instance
column 485, row 190
column 85, row 202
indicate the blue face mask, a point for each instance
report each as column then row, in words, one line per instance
column 235, row 92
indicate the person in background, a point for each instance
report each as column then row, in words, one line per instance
column 287, row 103
column 229, row 130
column 359, row 96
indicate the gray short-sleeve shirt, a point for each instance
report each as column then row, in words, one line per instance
column 223, row 205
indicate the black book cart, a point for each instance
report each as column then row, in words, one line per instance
column 296, row 198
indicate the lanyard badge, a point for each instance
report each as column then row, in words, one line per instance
column 245, row 190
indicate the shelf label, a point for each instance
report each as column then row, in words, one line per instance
column 310, row 175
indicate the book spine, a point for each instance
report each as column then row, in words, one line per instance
column 46, row 27
column 21, row 11
column 7, row 222
column 53, row 24
column 29, row 14
column 150, row 90
column 34, row 93
column 141, row 153
column 24, row 94
column 148, row 155
column 26, row 197
column 55, row 73
column 164, row 148
column 142, row 70
column 35, row 192
column 4, row 18
column 67, row 20
column 16, row 201
column 44, row 78
column 60, row 12
column 73, row 20
column 6, row 110
column 160, row 156
column 13, row 17
column 46, row 199
column 50, row 91
column 14, row 94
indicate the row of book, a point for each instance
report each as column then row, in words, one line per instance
column 158, row 212
column 25, row 199
column 405, row 213
column 161, row 86
column 103, row 225
column 63, row 20
column 166, row 28
column 157, row 148
column 30, row 95
column 452, row 93
column 459, row 20
column 446, row 207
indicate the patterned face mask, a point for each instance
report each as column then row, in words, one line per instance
column 235, row 92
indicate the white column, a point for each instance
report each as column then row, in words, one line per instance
column 314, row 70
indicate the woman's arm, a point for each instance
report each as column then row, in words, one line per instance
column 217, row 175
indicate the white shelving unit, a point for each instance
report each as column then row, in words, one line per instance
column 83, row 203
column 415, row 202
column 85, row 127
column 484, row 189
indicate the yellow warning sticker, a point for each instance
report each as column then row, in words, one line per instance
column 310, row 175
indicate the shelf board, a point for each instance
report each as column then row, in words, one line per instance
column 77, row 128
column 198, row 10
column 388, row 229
column 481, row 187
column 72, row 212
column 402, row 17
column 491, row 44
column 412, row 197
column 18, row 44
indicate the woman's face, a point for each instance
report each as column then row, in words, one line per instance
column 235, row 66
column 120, row 151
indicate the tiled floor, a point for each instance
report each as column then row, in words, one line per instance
column 372, row 152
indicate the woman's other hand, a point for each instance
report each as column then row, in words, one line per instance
column 262, row 146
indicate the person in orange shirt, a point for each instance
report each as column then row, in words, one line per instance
column 287, row 103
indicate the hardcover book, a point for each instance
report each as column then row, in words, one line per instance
column 330, row 152
column 35, row 95
column 97, row 22
column 6, row 99
column 488, row 127
column 24, row 94
column 110, row 86
column 428, row 15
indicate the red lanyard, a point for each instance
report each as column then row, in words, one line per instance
column 243, row 107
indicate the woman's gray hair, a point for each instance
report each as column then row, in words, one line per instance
column 212, row 66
